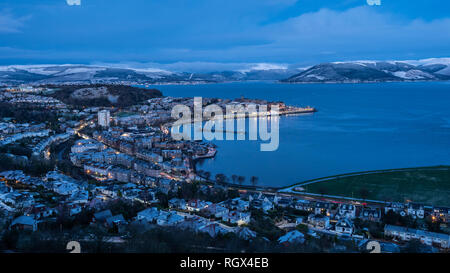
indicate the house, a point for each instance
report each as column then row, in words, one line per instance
column 237, row 217
column 304, row 205
column 322, row 208
column 245, row 233
column 370, row 214
column 395, row 207
column 176, row 203
column 263, row 204
column 236, row 204
column 131, row 193
column 162, row 218
column 429, row 238
column 214, row 229
column 217, row 210
column 147, row 196
column 84, row 145
column 110, row 190
column 80, row 197
column 441, row 213
column 239, row 204
column 23, row 198
column 415, row 210
column 24, row 223
column 148, row 214
column 263, row 197
column 344, row 226
column 65, row 188
column 149, row 156
column 119, row 174
column 174, row 219
column 114, row 221
column 39, row 211
column 165, row 185
column 292, row 237
column 197, row 205
column 193, row 223
column 171, row 154
column 319, row 221
column 299, row 220
column 284, row 202
column 100, row 217
column 74, row 208
column 346, row 211
column 96, row 169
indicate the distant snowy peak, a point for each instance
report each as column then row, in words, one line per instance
column 430, row 61
column 263, row 67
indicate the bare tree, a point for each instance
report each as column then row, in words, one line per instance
column 241, row 180
column 234, row 178
column 254, row 180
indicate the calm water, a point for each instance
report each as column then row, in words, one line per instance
column 358, row 127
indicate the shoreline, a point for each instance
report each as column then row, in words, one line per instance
column 140, row 85
column 326, row 178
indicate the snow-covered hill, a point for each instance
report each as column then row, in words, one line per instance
column 375, row 71
column 53, row 74
column 354, row 71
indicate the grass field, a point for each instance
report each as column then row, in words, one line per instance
column 429, row 185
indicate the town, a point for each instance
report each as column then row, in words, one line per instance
column 112, row 174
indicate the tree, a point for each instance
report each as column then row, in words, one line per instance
column 220, row 178
column 254, row 180
column 241, row 180
column 207, row 175
column 415, row 246
column 234, row 178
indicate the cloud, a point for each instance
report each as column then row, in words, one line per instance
column 11, row 24
column 209, row 32
column 330, row 35
column 73, row 2
column 359, row 29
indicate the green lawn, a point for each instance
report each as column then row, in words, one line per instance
column 430, row 185
column 125, row 114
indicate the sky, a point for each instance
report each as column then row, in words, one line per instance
column 221, row 33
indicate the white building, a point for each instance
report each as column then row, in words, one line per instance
column 104, row 118
column 426, row 237
column 344, row 226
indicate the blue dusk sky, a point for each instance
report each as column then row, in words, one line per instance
column 218, row 32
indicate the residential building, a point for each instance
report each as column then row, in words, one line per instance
column 104, row 118
column 346, row 211
column 344, row 226
column 370, row 214
column 319, row 221
column 426, row 237
column 416, row 210
column 24, row 223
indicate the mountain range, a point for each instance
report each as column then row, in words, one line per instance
column 436, row 69
column 374, row 71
